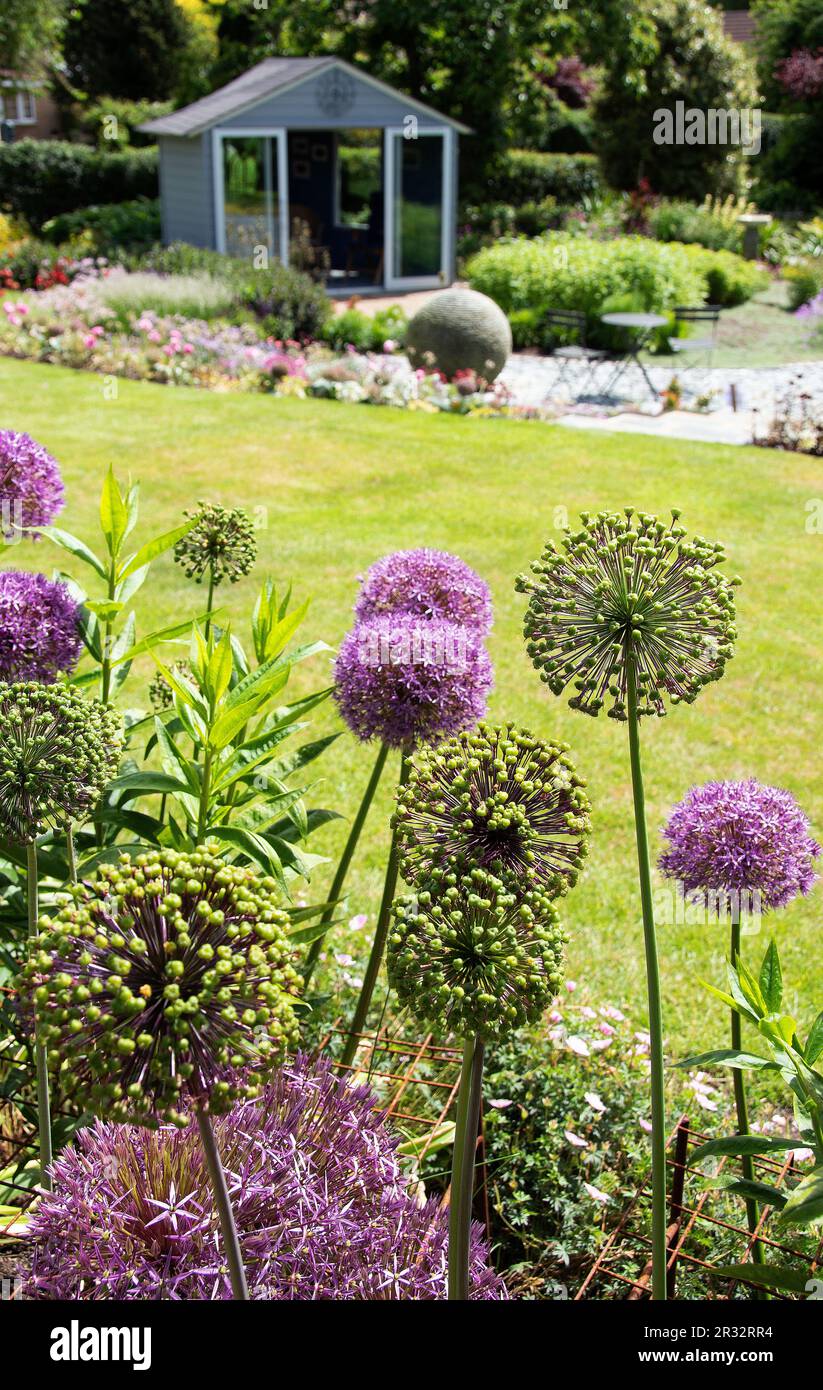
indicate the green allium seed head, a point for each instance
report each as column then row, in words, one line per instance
column 167, row 974
column 499, row 799
column 469, row 956
column 221, row 543
column 628, row 590
column 57, row 753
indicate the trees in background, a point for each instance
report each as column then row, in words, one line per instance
column 790, row 71
column 29, row 34
column 139, row 50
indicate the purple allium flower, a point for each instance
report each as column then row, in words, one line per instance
column 429, row 584
column 402, row 678
column 164, row 972
column 31, row 489
column 323, row 1211
column 38, row 628
column 732, row 838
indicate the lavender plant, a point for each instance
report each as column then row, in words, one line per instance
column 627, row 612
column 165, row 975
column 39, row 638
column 739, row 849
column 403, row 679
column 467, row 954
column 323, row 1209
column 57, row 753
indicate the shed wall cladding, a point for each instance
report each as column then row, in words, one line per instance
column 186, row 189
column 320, row 104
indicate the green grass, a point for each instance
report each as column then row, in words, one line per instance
column 760, row 333
column 340, row 485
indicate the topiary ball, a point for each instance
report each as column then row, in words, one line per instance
column 460, row 330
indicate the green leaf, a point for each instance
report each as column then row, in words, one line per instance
column 75, row 547
column 745, row 988
column 739, row 1144
column 738, row 1004
column 805, row 1202
column 114, row 516
column 771, row 979
column 255, row 847
column 758, row 1191
column 767, row 1276
column 729, row 1057
column 220, row 668
column 146, row 783
column 163, row 634
column 105, row 609
column 814, row 1042
column 152, row 549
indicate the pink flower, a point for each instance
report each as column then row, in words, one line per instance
column 578, row 1046
column 646, row 1126
column 390, row 346
column 154, row 336
column 343, row 959
column 188, row 348
column 595, row 1193
column 499, row 1104
column 89, row 341
column 606, row 1029
column 358, row 922
column 571, row 986
column 575, row 1139
column 593, row 1099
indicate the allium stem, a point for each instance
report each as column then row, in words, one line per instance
column 211, row 600
column 658, row 1096
column 228, row 1226
column 336, row 890
column 380, row 933
column 205, row 790
column 71, row 853
column 43, row 1103
column 740, row 1098
column 462, row 1184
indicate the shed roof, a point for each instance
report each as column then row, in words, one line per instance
column 739, row 25
column 270, row 77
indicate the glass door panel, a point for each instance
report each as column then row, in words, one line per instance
column 252, row 211
column 418, row 207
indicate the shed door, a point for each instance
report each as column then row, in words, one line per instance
column 419, row 210
column 251, row 194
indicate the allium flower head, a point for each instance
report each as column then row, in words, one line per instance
column 731, row 839
column 220, row 542
column 401, row 678
column 322, row 1208
column 497, row 799
column 468, row 956
column 31, row 489
column 429, row 584
column 624, row 591
column 58, row 751
column 39, row 637
column 161, row 695
column 165, row 971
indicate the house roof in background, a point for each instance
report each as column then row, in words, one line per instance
column 739, row 25
column 269, row 78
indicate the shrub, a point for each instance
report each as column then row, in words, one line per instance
column 805, row 281
column 367, row 333
column 710, row 224
column 108, row 229
column 113, row 121
column 41, row 178
column 192, row 296
column 526, row 176
column 790, row 174
column 730, row 279
column 567, row 272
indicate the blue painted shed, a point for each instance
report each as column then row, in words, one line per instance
column 315, row 162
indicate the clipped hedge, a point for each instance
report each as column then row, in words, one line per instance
column 109, row 228
column 528, row 176
column 40, row 179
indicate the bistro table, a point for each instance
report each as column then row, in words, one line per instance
column 639, row 329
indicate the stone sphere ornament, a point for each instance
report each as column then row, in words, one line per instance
column 460, row 331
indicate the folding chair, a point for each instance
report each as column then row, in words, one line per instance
column 573, row 321
column 706, row 314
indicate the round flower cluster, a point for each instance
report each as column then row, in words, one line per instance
column 220, row 545
column 39, row 637
column 428, row 584
column 498, row 799
column 161, row 695
column 728, row 840
column 621, row 593
column 469, row 955
column 31, row 489
column 57, row 754
column 163, row 974
column 322, row 1208
column 402, row 678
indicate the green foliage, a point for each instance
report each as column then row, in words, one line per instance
column 805, row 281
column 111, row 122
column 193, row 296
column 693, row 62
column 288, row 303
column 108, row 229
column 41, row 178
column 135, row 51
column 759, row 1001
column 567, row 272
column 527, row 176
column 29, row 33
column 782, row 27
column 790, row 173
column 730, row 279
column 711, row 224
column 366, row 332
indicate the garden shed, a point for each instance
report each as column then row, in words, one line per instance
column 318, row 164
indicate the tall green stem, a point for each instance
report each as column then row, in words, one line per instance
column 462, row 1184
column 211, row 600
column 71, row 853
column 43, row 1103
column 228, row 1225
column 740, row 1102
column 658, row 1096
column 336, row 890
column 380, row 934
column 205, row 789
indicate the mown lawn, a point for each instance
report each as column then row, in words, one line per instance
column 341, row 485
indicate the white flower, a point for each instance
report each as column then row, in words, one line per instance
column 578, row 1045
column 593, row 1099
column 575, row 1140
column 595, row 1193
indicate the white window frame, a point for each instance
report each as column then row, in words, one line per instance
column 279, row 136
column 17, row 96
column 419, row 282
